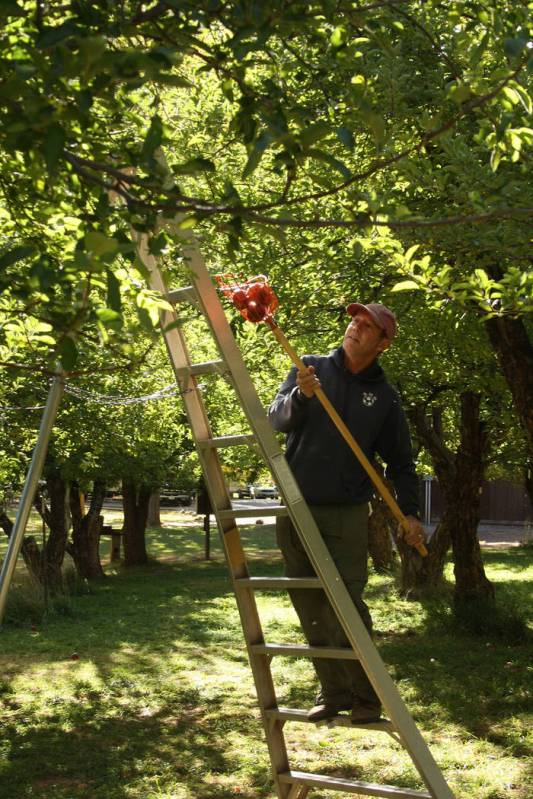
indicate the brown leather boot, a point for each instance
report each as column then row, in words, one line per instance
column 365, row 712
column 325, row 710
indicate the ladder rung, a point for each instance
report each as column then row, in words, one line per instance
column 207, row 368
column 186, row 294
column 304, row 651
column 257, row 583
column 350, row 786
column 226, row 441
column 245, row 513
column 294, row 714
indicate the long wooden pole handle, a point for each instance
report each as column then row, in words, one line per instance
column 348, row 437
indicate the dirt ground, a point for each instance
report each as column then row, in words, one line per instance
column 500, row 535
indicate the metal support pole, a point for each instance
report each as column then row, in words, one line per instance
column 207, row 531
column 427, row 498
column 30, row 487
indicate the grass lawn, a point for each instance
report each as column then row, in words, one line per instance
column 142, row 689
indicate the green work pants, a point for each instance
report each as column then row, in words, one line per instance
column 344, row 529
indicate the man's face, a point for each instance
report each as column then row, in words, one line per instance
column 363, row 338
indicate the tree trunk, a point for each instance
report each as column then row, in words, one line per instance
column 380, row 526
column 55, row 517
column 470, row 579
column 135, row 502
column 460, row 477
column 86, row 531
column 422, row 576
column 528, row 482
column 510, row 342
column 29, row 548
column 154, row 510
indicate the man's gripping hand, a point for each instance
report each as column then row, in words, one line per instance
column 415, row 534
column 307, row 381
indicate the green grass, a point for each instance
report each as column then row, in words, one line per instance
column 160, row 703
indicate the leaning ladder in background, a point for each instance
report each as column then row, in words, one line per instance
column 289, row 784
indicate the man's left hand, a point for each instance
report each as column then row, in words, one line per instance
column 415, row 535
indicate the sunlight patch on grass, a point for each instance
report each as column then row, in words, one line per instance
column 162, row 696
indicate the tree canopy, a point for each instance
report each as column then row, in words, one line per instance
column 401, row 120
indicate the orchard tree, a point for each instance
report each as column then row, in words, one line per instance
column 323, row 115
column 325, row 139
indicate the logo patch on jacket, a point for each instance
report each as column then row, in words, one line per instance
column 369, row 398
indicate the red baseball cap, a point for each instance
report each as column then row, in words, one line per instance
column 382, row 316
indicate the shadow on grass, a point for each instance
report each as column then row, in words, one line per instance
column 93, row 748
column 156, row 625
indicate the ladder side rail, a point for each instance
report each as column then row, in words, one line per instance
column 314, row 545
column 220, row 499
column 30, row 486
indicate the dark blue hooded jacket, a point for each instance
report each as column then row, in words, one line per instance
column 324, row 466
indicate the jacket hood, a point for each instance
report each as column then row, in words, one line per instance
column 372, row 374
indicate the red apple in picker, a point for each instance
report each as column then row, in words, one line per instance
column 240, row 299
column 255, row 312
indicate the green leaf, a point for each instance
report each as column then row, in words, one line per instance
column 15, row 254
column 511, row 95
column 314, row 133
column 513, row 47
column 377, row 124
column 172, row 80
column 524, row 98
column 346, row 137
column 339, row 37
column 195, row 165
column 495, row 158
column 108, row 316
column 483, row 278
column 114, row 299
column 153, row 138
column 52, row 36
column 145, row 319
column 261, row 144
column 410, row 252
column 459, row 92
column 100, row 244
column 68, row 353
column 405, row 285
column 53, row 144
column 478, row 51
column 231, row 194
column 187, row 223
column 329, row 159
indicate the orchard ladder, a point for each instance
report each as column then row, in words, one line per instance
column 289, row 784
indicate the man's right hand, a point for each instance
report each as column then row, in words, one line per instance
column 307, row 381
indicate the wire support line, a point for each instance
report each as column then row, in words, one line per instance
column 103, row 399
column 20, row 408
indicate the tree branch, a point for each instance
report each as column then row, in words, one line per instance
column 453, row 67
column 380, row 163
column 365, row 220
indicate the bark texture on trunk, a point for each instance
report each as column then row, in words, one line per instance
column 471, row 581
column 460, row 476
column 381, row 524
column 135, row 500
column 422, row 576
column 528, row 481
column 54, row 516
column 510, row 341
column 86, row 531
column 154, row 509
column 29, row 548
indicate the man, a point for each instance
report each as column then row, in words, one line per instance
column 337, row 488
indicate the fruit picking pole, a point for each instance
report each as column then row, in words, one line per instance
column 341, row 427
